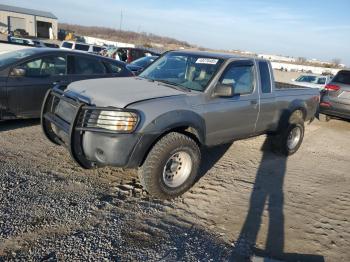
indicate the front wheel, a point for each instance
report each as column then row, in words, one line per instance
column 171, row 166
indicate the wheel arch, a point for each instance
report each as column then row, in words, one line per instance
column 181, row 121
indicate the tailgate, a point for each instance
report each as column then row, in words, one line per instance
column 344, row 94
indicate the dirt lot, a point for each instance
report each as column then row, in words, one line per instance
column 248, row 200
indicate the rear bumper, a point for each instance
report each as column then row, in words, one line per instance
column 336, row 113
column 332, row 108
column 92, row 147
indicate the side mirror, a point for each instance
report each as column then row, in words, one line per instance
column 222, row 90
column 18, row 72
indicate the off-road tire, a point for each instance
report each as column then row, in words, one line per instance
column 280, row 140
column 151, row 171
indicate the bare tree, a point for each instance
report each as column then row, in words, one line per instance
column 121, row 35
column 301, row 60
column 336, row 61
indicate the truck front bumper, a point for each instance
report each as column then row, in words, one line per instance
column 91, row 147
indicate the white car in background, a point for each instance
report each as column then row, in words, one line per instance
column 81, row 47
column 313, row 81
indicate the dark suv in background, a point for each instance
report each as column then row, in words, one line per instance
column 335, row 99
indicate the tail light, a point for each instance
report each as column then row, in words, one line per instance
column 331, row 87
column 325, row 104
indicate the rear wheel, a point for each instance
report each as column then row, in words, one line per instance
column 288, row 141
column 171, row 166
column 324, row 118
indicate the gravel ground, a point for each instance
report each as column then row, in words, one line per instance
column 247, row 201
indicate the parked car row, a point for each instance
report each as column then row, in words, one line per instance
column 335, row 98
column 31, row 42
column 313, row 81
column 334, row 91
column 128, row 54
column 83, row 47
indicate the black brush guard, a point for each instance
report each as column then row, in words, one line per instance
column 69, row 133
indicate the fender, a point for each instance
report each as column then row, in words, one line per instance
column 162, row 125
column 176, row 119
column 285, row 115
column 298, row 104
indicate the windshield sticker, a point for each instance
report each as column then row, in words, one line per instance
column 208, row 61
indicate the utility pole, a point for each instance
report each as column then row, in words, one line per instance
column 121, row 20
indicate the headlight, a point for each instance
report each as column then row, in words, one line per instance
column 117, row 121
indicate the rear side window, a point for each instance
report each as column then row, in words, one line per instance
column 81, row 47
column 46, row 66
column 321, row 81
column 342, row 77
column 67, row 45
column 88, row 66
column 265, row 77
column 96, row 49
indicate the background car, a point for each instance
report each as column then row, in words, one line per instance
column 335, row 98
column 22, row 41
column 138, row 65
column 129, row 54
column 71, row 45
column 313, row 81
column 20, row 32
column 26, row 75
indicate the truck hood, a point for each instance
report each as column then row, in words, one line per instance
column 119, row 92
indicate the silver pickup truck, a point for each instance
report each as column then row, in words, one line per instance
column 185, row 100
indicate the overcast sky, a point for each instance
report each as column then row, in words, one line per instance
column 308, row 28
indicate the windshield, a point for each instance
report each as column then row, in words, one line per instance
column 143, row 61
column 186, row 70
column 12, row 57
column 308, row 79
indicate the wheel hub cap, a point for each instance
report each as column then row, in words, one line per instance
column 293, row 138
column 177, row 169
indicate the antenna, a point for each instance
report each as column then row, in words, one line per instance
column 121, row 19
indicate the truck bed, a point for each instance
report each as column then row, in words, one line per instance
column 282, row 85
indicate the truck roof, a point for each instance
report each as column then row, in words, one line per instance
column 211, row 54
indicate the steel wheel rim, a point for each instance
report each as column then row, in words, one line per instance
column 294, row 138
column 177, row 169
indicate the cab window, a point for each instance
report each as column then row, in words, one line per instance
column 240, row 77
column 265, row 77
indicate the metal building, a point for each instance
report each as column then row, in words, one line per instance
column 36, row 23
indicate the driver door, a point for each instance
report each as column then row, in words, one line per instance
column 233, row 117
column 26, row 93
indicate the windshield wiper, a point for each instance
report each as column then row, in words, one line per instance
column 173, row 85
